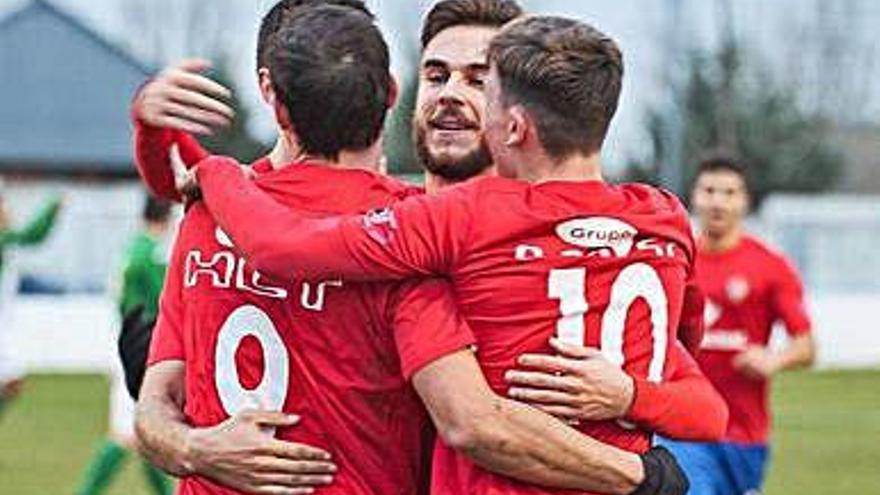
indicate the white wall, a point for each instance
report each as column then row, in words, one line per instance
column 77, row 333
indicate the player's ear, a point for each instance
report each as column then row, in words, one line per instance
column 266, row 89
column 393, row 92
column 519, row 123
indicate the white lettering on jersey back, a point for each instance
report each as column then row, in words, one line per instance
column 225, row 271
column 218, row 269
column 599, row 232
column 318, row 303
column 222, row 238
column 526, row 252
column 253, row 285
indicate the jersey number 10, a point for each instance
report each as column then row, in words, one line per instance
column 638, row 280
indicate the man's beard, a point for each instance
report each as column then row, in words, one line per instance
column 452, row 169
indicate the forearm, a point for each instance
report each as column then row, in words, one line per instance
column 685, row 406
column 160, row 423
column 514, row 439
column 39, row 227
column 163, row 433
column 800, row 353
column 152, row 157
column 688, row 409
column 523, row 443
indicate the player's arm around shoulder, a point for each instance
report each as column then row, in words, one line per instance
column 579, row 383
column 516, row 440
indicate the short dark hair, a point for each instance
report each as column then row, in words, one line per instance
column 723, row 162
column 330, row 70
column 567, row 74
column 156, row 209
column 274, row 20
column 451, row 13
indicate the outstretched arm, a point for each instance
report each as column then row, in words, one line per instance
column 37, row 229
column 419, row 236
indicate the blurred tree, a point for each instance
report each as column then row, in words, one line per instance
column 166, row 30
column 398, row 137
column 723, row 103
column 399, row 144
column 195, row 30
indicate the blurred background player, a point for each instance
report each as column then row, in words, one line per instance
column 749, row 287
column 32, row 233
column 143, row 275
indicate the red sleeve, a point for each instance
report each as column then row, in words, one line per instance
column 151, row 148
column 167, row 343
column 686, row 407
column 692, row 322
column 424, row 235
column 788, row 300
column 427, row 324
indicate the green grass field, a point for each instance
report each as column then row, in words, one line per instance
column 828, row 427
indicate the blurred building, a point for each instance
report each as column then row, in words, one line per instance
column 64, row 128
column 64, row 92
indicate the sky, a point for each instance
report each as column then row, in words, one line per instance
column 774, row 29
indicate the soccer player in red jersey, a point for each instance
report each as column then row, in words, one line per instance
column 749, row 287
column 356, row 410
column 556, row 252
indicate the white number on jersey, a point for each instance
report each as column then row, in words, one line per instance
column 271, row 392
column 638, row 280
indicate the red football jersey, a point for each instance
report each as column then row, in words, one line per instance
column 748, row 289
column 598, row 265
column 337, row 353
column 152, row 160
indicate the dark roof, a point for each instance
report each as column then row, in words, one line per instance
column 64, row 94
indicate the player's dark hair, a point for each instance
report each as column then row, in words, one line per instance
column 156, row 209
column 274, row 20
column 452, row 13
column 330, row 70
column 568, row 76
column 720, row 161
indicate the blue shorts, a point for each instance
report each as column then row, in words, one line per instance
column 720, row 468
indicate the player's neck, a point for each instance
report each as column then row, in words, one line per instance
column 367, row 159
column 575, row 168
column 435, row 183
column 287, row 151
column 284, row 152
column 720, row 242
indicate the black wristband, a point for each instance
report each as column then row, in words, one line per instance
column 663, row 475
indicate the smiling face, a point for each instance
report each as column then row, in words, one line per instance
column 450, row 106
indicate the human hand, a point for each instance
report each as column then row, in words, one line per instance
column 181, row 98
column 578, row 384
column 240, row 453
column 757, row 363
